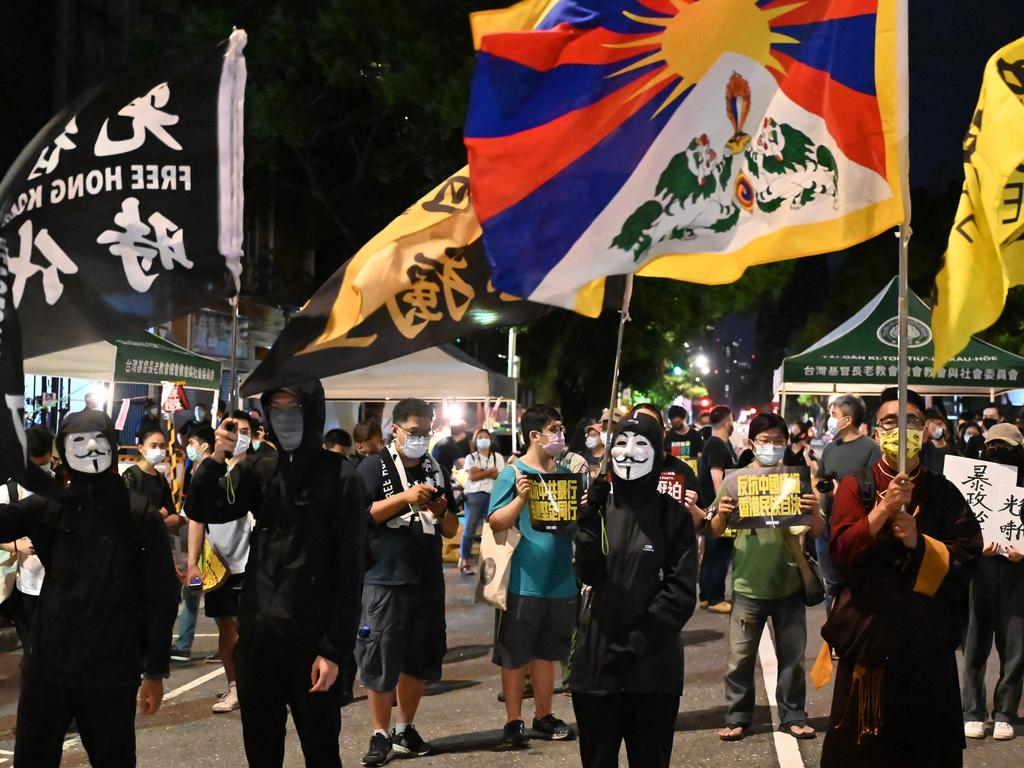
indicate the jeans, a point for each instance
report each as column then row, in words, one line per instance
column 997, row 612
column 789, row 625
column 646, row 722
column 828, row 569
column 714, row 568
column 187, row 623
column 476, row 508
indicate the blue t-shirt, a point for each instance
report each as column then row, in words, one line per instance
column 542, row 562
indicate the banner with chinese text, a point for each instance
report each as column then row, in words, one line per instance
column 991, row 491
column 555, row 499
column 126, row 209
column 767, row 497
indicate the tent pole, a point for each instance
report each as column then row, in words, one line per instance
column 901, row 383
column 513, row 373
column 782, row 402
column 627, row 294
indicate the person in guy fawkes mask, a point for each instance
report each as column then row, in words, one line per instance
column 299, row 606
column 106, row 608
column 637, row 552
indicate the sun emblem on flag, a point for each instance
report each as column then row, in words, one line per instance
column 698, row 34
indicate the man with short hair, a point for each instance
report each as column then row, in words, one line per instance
column 338, row 441
column 848, row 453
column 704, row 424
column 535, row 631
column 368, row 439
column 401, row 640
column 937, row 444
column 717, row 456
column 681, row 440
column 991, row 415
column 450, row 451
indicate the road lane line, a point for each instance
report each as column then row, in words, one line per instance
column 194, row 684
column 786, row 748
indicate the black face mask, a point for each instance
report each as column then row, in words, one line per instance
column 989, row 423
column 1001, row 456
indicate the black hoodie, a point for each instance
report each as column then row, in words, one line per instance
column 643, row 588
column 110, row 588
column 303, row 579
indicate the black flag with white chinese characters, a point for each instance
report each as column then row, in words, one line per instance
column 447, row 295
column 126, row 209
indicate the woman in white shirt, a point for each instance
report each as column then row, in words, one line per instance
column 482, row 466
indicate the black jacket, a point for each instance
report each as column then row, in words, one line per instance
column 110, row 588
column 643, row 592
column 303, row 579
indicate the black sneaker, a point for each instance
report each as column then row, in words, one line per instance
column 409, row 743
column 180, row 656
column 552, row 728
column 379, row 751
column 514, row 734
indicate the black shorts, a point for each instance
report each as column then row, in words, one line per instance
column 533, row 629
column 401, row 631
column 223, row 602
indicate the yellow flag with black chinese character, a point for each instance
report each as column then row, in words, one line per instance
column 985, row 254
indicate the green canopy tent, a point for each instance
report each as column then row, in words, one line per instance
column 860, row 357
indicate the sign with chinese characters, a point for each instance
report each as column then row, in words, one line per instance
column 554, row 500
column 672, row 484
column 143, row 358
column 767, row 497
column 991, row 491
column 125, row 210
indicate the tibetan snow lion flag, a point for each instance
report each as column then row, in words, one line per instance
column 126, row 209
column 687, row 139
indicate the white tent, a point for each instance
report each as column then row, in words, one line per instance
column 438, row 373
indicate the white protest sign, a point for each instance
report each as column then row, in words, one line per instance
column 1005, row 525
column 985, row 485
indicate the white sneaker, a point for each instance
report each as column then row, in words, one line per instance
column 228, row 702
column 1002, row 731
column 974, row 729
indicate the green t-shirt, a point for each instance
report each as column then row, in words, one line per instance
column 542, row 562
column 763, row 565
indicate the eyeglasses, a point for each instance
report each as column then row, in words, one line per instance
column 890, row 423
column 415, row 433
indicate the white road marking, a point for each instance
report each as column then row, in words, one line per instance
column 194, row 684
column 785, row 745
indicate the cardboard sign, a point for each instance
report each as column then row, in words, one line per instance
column 767, row 497
column 554, row 500
column 991, row 492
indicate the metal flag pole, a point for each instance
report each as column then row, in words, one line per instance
column 902, row 347
column 233, row 389
column 902, row 77
column 513, row 373
column 627, row 295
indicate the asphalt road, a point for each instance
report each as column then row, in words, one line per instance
column 462, row 717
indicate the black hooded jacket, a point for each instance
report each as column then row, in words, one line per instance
column 110, row 597
column 303, row 579
column 643, row 588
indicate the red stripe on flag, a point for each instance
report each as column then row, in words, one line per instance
column 821, row 10
column 507, row 169
column 852, row 117
column 544, row 50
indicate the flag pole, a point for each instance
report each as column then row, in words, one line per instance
column 627, row 294
column 902, row 76
column 233, row 389
column 902, row 347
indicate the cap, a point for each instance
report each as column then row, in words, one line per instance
column 1007, row 433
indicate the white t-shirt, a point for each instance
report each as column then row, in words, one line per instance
column 30, row 568
column 494, row 461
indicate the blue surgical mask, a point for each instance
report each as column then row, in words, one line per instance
column 769, row 455
column 192, row 452
column 415, row 446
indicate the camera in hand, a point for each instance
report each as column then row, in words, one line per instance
column 825, row 484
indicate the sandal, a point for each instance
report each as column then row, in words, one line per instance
column 728, row 733
column 788, row 729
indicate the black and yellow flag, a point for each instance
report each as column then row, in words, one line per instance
column 985, row 255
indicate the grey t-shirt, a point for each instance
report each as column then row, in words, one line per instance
column 841, row 458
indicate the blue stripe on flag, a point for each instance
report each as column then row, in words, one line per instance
column 844, row 48
column 554, row 217
column 599, row 13
column 508, row 97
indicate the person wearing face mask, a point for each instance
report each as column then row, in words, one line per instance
column 150, row 420
column 966, row 434
column 535, row 631
column 637, row 551
column 766, row 585
column 106, row 608
column 717, row 456
column 848, row 453
column 144, row 477
column 799, row 452
column 299, row 604
column 402, row 634
column 991, row 415
column 996, row 613
column 937, row 444
column 483, row 465
column 906, row 545
column 672, row 465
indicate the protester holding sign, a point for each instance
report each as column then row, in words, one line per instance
column 717, row 456
column 637, row 551
column 997, row 612
column 677, row 477
column 535, row 631
column 766, row 585
column 906, row 545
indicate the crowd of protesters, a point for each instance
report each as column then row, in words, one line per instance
column 319, row 557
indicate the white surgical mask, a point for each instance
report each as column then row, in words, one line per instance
column 415, row 446
column 938, row 433
column 592, row 442
column 88, row 452
column 241, row 444
column 769, row 455
column 483, row 444
column 192, row 452
column 155, row 455
column 833, row 426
